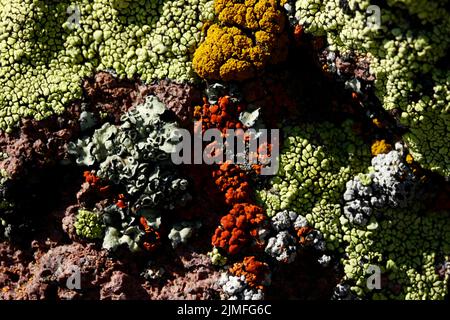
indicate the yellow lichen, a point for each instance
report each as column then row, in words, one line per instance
column 380, row 146
column 377, row 122
column 409, row 159
column 249, row 36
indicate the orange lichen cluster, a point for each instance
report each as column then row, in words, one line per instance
column 233, row 181
column 254, row 271
column 93, row 188
column 152, row 238
column 409, row 159
column 298, row 34
column 380, row 146
column 223, row 116
column 261, row 158
column 90, row 178
column 249, row 36
column 302, row 233
column 238, row 227
column 95, row 182
column 378, row 123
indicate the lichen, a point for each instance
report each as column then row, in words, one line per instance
column 248, row 36
column 407, row 49
column 45, row 52
column 89, row 225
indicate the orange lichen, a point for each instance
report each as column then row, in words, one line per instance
column 298, row 37
column 121, row 201
column 91, row 178
column 233, row 182
column 93, row 189
column 95, row 182
column 261, row 158
column 409, row 159
column 380, row 146
column 152, row 238
column 248, row 37
column 223, row 116
column 377, row 123
column 302, row 233
column 254, row 271
column 238, row 227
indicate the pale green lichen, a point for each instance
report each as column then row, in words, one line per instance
column 315, row 163
column 89, row 225
column 182, row 232
column 121, row 230
column 407, row 245
column 216, row 258
column 408, row 52
column 47, row 47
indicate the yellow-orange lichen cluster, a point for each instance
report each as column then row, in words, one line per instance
column 248, row 37
column 380, row 146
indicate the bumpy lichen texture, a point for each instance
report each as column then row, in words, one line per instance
column 47, row 47
column 386, row 226
column 315, row 163
column 408, row 245
column 89, row 225
column 250, row 34
column 408, row 51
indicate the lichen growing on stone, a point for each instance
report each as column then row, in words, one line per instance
column 245, row 280
column 89, row 225
column 362, row 232
column 99, row 90
column 390, row 183
column 407, row 47
column 315, row 163
column 136, row 154
column 248, row 36
column 291, row 233
column 407, row 245
column 45, row 52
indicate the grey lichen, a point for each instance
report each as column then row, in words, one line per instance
column 389, row 183
column 181, row 232
column 136, row 155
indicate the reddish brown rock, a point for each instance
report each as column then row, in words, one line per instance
column 122, row 286
column 194, row 279
column 180, row 98
column 113, row 96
